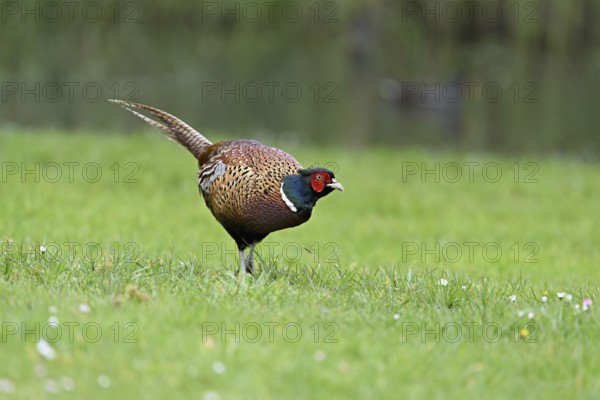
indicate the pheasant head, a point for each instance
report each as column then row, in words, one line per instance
column 301, row 191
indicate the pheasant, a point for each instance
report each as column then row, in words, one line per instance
column 250, row 188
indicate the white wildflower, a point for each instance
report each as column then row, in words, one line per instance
column 568, row 297
column 218, row 367
column 6, row 386
column 104, row 381
column 320, row 356
column 51, row 386
column 67, row 383
column 45, row 350
column 84, row 308
column 211, row 395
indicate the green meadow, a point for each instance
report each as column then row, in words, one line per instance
column 435, row 274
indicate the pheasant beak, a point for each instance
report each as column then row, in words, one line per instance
column 335, row 185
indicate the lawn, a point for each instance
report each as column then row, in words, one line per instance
column 434, row 275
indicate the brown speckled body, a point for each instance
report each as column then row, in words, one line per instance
column 240, row 181
column 250, row 188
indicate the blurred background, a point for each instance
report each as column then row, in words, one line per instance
column 502, row 76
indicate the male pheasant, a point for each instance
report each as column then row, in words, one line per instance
column 250, row 188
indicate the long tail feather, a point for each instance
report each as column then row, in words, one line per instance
column 173, row 127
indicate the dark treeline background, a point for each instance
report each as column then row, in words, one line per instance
column 503, row 75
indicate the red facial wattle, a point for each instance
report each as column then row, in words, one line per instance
column 318, row 181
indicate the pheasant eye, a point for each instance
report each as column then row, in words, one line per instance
column 319, row 177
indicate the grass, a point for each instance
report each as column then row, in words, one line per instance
column 353, row 304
